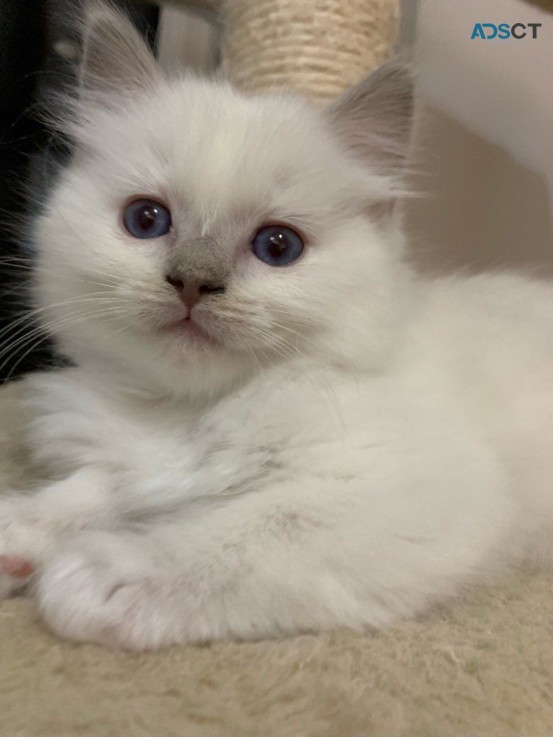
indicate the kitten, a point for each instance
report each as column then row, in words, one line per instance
column 272, row 426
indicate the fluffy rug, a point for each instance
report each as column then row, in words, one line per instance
column 481, row 667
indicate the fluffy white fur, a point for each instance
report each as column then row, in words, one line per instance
column 352, row 442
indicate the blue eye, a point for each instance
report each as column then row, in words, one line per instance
column 277, row 245
column 146, row 219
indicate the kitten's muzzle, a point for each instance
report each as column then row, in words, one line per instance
column 190, row 292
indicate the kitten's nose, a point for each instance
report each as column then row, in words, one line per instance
column 190, row 292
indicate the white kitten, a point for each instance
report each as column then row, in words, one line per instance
column 272, row 426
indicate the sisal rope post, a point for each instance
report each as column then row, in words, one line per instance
column 316, row 47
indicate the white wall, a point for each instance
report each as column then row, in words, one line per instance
column 488, row 141
column 502, row 89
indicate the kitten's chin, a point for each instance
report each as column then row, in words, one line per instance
column 190, row 332
column 176, row 359
column 177, row 367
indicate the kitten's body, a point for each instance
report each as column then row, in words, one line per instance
column 386, row 439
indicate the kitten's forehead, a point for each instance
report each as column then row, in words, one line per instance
column 241, row 150
column 221, row 151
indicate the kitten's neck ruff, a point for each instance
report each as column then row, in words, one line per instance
column 151, row 380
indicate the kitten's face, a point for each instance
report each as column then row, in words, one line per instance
column 199, row 234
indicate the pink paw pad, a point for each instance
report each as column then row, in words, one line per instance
column 16, row 567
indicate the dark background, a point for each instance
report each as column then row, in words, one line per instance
column 29, row 156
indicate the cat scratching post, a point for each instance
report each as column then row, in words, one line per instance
column 317, row 47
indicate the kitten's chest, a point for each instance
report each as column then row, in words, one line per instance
column 263, row 433
column 282, row 426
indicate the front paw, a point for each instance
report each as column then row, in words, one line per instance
column 15, row 572
column 99, row 588
column 21, row 541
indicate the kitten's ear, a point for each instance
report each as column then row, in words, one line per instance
column 374, row 117
column 115, row 57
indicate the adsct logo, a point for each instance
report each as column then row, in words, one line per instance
column 487, row 31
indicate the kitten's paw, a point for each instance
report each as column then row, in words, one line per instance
column 20, row 542
column 15, row 572
column 99, row 588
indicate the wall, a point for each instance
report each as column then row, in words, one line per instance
column 484, row 141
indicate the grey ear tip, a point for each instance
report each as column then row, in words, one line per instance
column 374, row 117
column 400, row 67
column 398, row 76
column 115, row 57
column 392, row 83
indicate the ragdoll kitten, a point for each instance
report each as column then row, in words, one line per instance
column 272, row 425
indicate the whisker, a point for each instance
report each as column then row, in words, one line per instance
column 54, row 324
column 41, row 339
column 31, row 314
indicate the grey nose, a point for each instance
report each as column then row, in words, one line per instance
column 190, row 292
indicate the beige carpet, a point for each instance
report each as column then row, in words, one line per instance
column 482, row 667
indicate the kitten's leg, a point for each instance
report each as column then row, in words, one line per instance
column 129, row 590
column 31, row 523
column 278, row 562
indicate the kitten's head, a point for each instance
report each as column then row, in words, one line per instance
column 199, row 233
